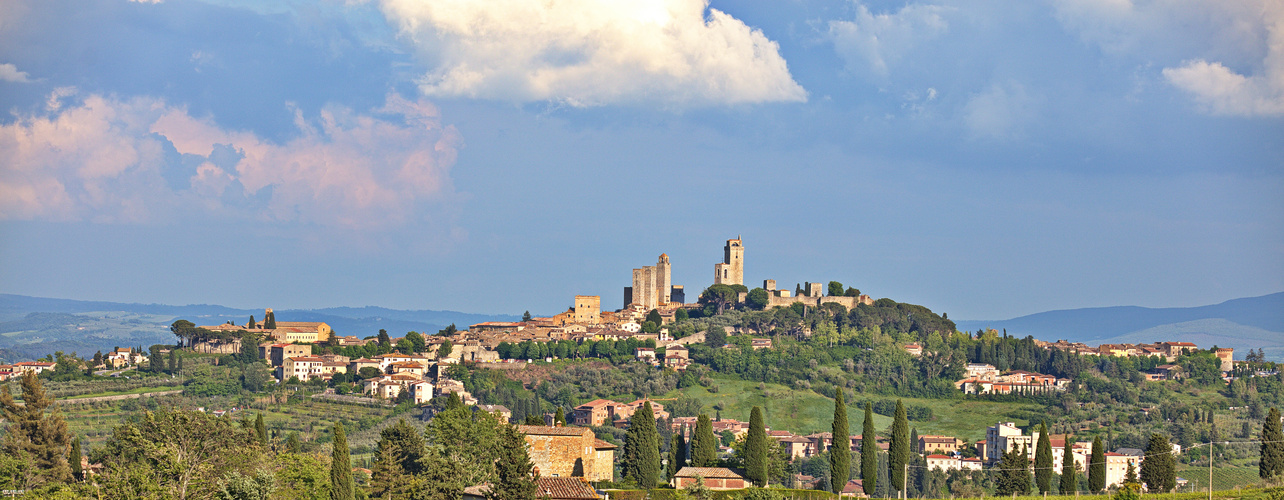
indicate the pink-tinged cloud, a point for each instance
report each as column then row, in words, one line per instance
column 104, row 159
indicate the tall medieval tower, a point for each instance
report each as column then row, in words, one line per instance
column 732, row 269
column 663, row 280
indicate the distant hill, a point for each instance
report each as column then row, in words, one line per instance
column 31, row 327
column 1247, row 323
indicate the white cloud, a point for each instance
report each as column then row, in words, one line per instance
column 1000, row 111
column 1228, row 55
column 593, row 52
column 10, row 73
column 104, row 159
column 876, row 40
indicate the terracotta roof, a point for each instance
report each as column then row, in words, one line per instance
column 710, row 472
column 571, row 488
column 599, row 444
column 947, row 457
column 543, row 430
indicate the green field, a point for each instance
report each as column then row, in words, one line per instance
column 806, row 412
column 1224, row 477
column 140, row 390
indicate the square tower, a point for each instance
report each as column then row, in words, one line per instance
column 588, row 309
column 731, row 271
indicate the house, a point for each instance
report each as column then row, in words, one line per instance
column 356, row 365
column 309, row 332
column 715, row 478
column 677, row 357
column 760, row 343
column 565, row 451
column 914, row 350
column 304, row 367
column 595, row 413
column 1169, row 372
column 501, row 411
column 408, row 367
column 1117, row 467
column 928, row 443
column 646, row 354
column 552, row 488
column 33, row 366
column 276, row 353
column 854, row 488
column 119, row 357
column 982, row 371
column 795, row 446
column 943, row 462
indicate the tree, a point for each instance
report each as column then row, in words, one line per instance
column 183, row 453
column 676, row 454
column 252, row 323
column 405, row 346
column 1158, row 470
column 654, row 317
column 173, row 361
column 756, row 449
column 1069, row 471
column 238, row 486
column 899, row 448
column 868, row 453
column 758, row 298
column 513, row 479
column 155, row 363
column 341, row 467
column 384, row 339
column 269, row 321
column 719, row 296
column 704, row 446
column 526, row 317
column 444, row 350
column 1014, row 473
column 292, row 444
column 1097, row 467
column 840, row 454
column 640, row 460
column 1130, row 476
column 260, row 430
column 559, row 418
column 1043, row 460
column 835, row 289
column 1272, row 462
column 31, row 433
column 681, row 315
column 417, row 341
column 77, row 471
column 249, row 352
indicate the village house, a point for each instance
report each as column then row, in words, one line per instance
column 303, row 367
column 715, row 478
column 677, row 357
column 560, row 451
column 946, row 444
column 550, row 488
column 276, row 353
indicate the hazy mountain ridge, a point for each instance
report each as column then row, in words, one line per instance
column 1252, row 322
column 31, row 327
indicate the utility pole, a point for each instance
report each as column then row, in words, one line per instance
column 905, row 482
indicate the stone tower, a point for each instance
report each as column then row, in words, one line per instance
column 663, row 280
column 732, row 269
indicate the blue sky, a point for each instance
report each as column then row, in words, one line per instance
column 987, row 159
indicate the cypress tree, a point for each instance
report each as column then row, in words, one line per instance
column 1014, row 473
column 513, row 468
column 899, row 449
column 869, row 453
column 292, row 443
column 559, row 417
column 682, row 451
column 341, row 467
column 77, row 472
column 173, row 361
column 1130, row 476
column 913, row 442
column 1069, row 473
column 704, row 445
column 884, row 478
column 756, row 449
column 675, row 455
column 261, row 430
column 269, row 321
column 1097, row 467
column 641, row 457
column 1272, row 461
column 251, row 325
column 1043, row 460
column 44, row 438
column 840, row 454
column 180, row 364
column 1158, row 470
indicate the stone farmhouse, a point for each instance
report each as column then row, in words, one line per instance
column 569, row 451
column 715, row 478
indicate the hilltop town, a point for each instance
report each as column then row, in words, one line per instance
column 707, row 381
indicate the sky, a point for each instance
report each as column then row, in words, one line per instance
column 984, row 158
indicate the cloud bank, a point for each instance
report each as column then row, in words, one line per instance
column 1231, row 52
column 143, row 160
column 593, row 52
column 10, row 73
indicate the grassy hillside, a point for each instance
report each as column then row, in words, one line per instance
column 806, row 412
